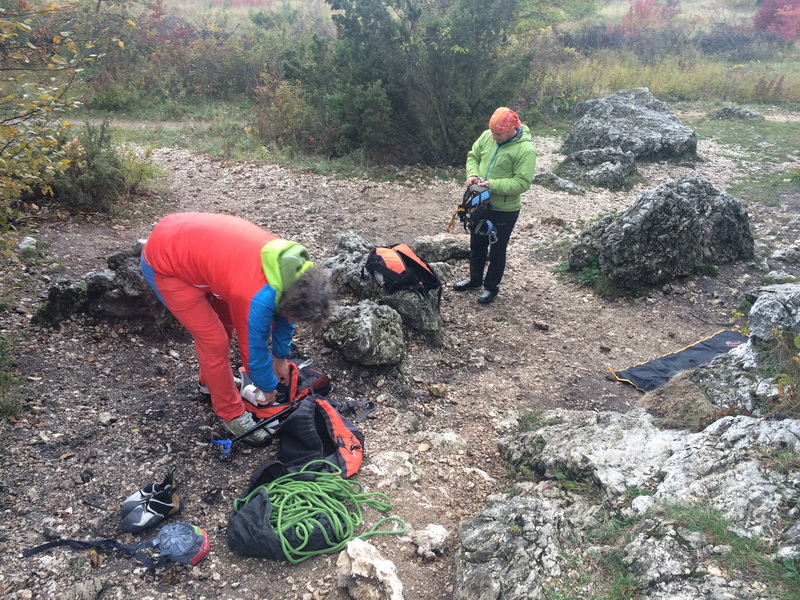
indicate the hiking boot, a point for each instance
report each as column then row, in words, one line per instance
column 466, row 284
column 487, row 296
column 245, row 421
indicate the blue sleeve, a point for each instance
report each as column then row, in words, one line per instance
column 282, row 336
column 263, row 314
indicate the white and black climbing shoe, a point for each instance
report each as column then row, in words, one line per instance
column 149, row 506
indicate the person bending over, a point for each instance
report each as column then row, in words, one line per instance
column 218, row 274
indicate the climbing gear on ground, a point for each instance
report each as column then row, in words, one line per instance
column 397, row 267
column 466, row 284
column 297, row 515
column 245, row 425
column 317, row 430
column 179, row 542
column 149, row 506
column 473, row 213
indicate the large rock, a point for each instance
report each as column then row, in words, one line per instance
column 633, row 121
column 368, row 333
column 422, row 314
column 671, row 231
column 119, row 292
column 442, row 247
column 609, row 168
column 777, row 308
column 594, row 469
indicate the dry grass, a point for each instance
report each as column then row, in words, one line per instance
column 680, row 405
column 701, row 12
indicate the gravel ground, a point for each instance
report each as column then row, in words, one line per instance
column 109, row 407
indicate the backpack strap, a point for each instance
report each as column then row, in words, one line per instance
column 134, row 550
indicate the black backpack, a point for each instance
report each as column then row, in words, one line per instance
column 397, row 267
column 317, row 430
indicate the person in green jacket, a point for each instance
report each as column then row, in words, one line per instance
column 502, row 159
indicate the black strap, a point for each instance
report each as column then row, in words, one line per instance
column 134, row 550
column 358, row 409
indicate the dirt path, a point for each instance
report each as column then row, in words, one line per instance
column 109, row 409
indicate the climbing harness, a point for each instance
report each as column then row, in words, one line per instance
column 473, row 213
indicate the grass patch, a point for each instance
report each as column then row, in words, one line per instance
column 783, row 460
column 10, row 403
column 761, row 147
column 532, row 420
column 747, row 557
column 34, row 255
column 582, row 488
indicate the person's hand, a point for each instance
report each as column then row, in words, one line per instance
column 281, row 368
column 267, row 398
column 255, row 396
column 471, row 180
column 483, row 182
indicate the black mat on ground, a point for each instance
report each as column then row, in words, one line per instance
column 652, row 374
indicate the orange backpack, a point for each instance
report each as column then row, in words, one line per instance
column 397, row 267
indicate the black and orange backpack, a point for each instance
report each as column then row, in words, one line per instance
column 397, row 267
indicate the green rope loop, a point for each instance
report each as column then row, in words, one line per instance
column 304, row 500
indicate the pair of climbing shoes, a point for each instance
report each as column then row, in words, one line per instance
column 149, row 506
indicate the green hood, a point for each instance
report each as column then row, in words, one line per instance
column 283, row 263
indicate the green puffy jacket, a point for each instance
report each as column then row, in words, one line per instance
column 508, row 167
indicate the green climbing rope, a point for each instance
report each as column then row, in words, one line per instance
column 323, row 501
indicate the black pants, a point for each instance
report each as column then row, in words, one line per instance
column 480, row 248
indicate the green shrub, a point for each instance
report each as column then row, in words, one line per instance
column 98, row 174
column 95, row 177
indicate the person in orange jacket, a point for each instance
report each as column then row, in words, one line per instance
column 218, row 274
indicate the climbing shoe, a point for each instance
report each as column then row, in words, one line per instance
column 149, row 506
column 242, row 423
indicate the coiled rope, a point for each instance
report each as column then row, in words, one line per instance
column 310, row 501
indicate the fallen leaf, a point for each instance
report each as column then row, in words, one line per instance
column 424, row 447
column 32, row 378
column 66, row 455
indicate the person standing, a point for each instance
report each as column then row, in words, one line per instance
column 502, row 159
column 219, row 274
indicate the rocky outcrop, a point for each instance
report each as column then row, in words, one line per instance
column 588, row 467
column 119, row 292
column 368, row 333
column 633, row 121
column 422, row 314
column 737, row 112
column 669, row 232
column 604, row 167
column 776, row 308
column 615, row 132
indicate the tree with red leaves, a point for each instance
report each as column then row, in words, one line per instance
column 781, row 17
